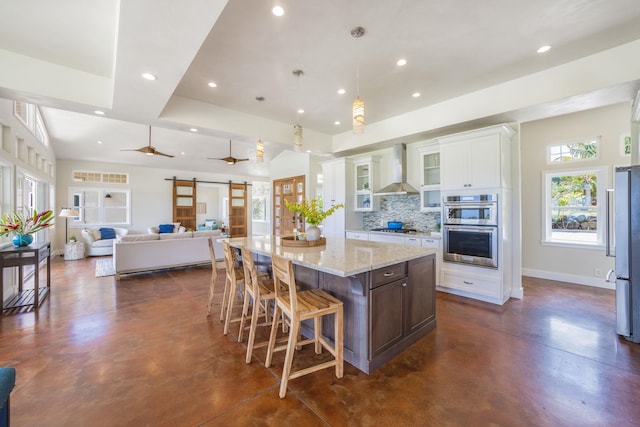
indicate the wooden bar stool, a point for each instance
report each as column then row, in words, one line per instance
column 298, row 306
column 260, row 292
column 234, row 279
column 214, row 276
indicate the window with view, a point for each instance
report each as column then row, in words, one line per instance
column 575, row 206
column 569, row 152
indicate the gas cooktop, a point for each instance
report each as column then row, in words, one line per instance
column 395, row 230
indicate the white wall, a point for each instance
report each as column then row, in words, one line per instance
column 563, row 263
column 211, row 195
column 151, row 193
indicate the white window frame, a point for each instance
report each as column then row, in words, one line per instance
column 602, row 175
column 596, row 140
column 102, row 206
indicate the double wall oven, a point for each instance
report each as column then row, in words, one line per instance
column 470, row 229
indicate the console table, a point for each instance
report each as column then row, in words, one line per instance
column 20, row 257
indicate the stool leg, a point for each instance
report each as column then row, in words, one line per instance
column 232, row 301
column 211, row 291
column 339, row 342
column 272, row 336
column 288, row 358
column 252, row 331
column 317, row 333
column 245, row 311
column 225, row 295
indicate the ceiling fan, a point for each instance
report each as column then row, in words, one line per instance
column 150, row 150
column 229, row 159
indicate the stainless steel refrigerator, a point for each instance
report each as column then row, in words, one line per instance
column 626, row 227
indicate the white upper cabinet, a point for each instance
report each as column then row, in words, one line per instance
column 476, row 160
column 430, row 200
column 366, row 182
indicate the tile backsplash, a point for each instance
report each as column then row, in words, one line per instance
column 405, row 208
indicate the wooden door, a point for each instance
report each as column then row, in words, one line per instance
column 290, row 189
column 237, row 210
column 184, row 203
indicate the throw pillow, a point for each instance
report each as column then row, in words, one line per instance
column 165, row 228
column 176, row 227
column 91, row 234
column 107, row 233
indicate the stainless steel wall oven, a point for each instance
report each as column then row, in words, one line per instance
column 470, row 230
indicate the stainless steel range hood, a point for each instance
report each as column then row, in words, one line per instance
column 399, row 186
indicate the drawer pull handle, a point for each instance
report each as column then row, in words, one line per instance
column 389, row 274
column 466, row 282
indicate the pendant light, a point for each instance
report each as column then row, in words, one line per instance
column 297, row 128
column 259, row 151
column 358, row 104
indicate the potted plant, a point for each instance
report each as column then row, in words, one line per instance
column 72, row 239
column 313, row 215
column 23, row 224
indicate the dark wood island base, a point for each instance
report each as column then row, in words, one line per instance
column 385, row 310
column 387, row 291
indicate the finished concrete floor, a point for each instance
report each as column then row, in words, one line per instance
column 142, row 352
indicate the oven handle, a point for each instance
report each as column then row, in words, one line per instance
column 478, row 228
column 469, row 205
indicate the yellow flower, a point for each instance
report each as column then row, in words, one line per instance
column 311, row 210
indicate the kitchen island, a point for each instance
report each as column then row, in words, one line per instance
column 388, row 291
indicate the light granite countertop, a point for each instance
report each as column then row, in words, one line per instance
column 341, row 257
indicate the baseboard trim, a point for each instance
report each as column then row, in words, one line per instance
column 596, row 282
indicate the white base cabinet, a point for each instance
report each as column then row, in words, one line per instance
column 480, row 283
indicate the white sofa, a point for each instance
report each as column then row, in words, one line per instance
column 94, row 245
column 146, row 252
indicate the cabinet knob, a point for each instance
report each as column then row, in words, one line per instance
column 404, row 285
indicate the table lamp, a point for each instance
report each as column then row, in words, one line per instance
column 67, row 213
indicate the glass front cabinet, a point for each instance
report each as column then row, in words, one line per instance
column 366, row 181
column 430, row 199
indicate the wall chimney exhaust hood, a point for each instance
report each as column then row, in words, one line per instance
column 399, row 187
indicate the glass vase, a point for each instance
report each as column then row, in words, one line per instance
column 22, row 239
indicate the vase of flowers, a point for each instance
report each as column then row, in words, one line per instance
column 313, row 214
column 24, row 224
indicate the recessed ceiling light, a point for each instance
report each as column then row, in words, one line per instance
column 300, row 111
column 149, row 76
column 308, row 151
column 99, row 142
column 182, row 153
column 342, row 91
column 416, row 94
column 212, row 84
column 193, row 130
column 277, row 11
column 401, row 62
column 337, row 122
column 98, row 112
column 544, row 49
